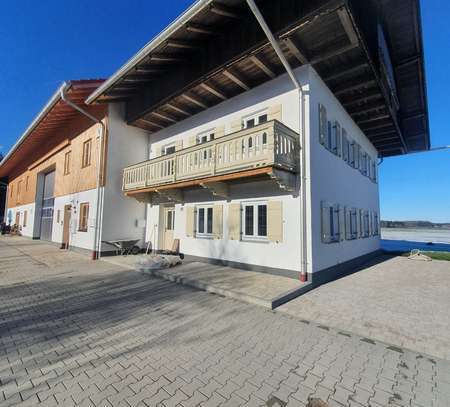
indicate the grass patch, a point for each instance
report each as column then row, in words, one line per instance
column 433, row 255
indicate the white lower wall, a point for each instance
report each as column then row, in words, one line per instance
column 83, row 240
column 11, row 215
column 284, row 255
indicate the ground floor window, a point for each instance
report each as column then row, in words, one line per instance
column 254, row 220
column 84, row 216
column 205, row 221
column 25, row 216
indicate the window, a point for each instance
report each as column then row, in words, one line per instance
column 25, row 216
column 67, row 157
column 204, row 221
column 376, row 230
column 255, row 119
column 169, row 149
column 87, row 151
column 363, row 162
column 331, row 226
column 19, row 189
column 205, row 137
column 254, row 220
column 58, row 216
column 17, row 218
column 345, row 147
column 353, row 224
column 332, row 140
column 84, row 216
column 366, row 223
column 170, row 219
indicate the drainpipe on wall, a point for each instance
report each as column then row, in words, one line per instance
column 96, row 252
column 273, row 41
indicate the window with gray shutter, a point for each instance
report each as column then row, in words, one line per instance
column 345, row 146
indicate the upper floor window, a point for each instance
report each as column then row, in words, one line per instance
column 19, row 189
column 67, row 159
column 87, row 152
column 205, row 137
column 169, row 149
column 255, row 119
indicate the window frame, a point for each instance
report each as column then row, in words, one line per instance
column 206, row 210
column 256, row 117
column 83, row 222
column 209, row 134
column 167, row 146
column 67, row 162
column 256, row 226
column 86, row 158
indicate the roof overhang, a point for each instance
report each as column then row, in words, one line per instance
column 215, row 51
column 51, row 120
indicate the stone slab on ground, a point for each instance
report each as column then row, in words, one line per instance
column 393, row 299
column 262, row 289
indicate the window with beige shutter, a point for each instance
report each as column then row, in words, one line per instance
column 84, row 217
column 87, row 152
column 275, row 221
column 218, row 221
column 67, row 160
column 190, row 220
column 204, row 221
column 234, row 221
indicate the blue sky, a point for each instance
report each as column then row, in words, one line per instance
column 45, row 43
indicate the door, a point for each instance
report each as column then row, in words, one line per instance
column 66, row 226
column 169, row 226
column 48, row 202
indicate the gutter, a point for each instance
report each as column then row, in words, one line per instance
column 185, row 17
column 287, row 66
column 100, row 190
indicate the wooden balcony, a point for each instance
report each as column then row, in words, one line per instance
column 268, row 146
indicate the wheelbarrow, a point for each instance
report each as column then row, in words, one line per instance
column 124, row 247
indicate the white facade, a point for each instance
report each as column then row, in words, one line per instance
column 329, row 179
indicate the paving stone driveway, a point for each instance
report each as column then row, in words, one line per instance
column 95, row 335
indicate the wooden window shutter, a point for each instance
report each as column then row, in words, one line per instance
column 234, row 221
column 219, row 132
column 178, row 145
column 323, row 124
column 218, row 221
column 358, row 224
column 158, row 151
column 236, row 125
column 190, row 220
column 341, row 223
column 337, row 138
column 275, row 221
column 348, row 223
column 326, row 224
column 192, row 141
column 275, row 113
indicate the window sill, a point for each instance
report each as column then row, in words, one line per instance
column 203, row 236
column 255, row 239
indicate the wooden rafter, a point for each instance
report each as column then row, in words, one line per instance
column 236, row 79
column 178, row 109
column 181, row 44
column 152, row 123
column 194, row 100
column 165, row 58
column 213, row 91
column 355, row 86
column 200, row 28
column 348, row 26
column 345, row 72
column 164, row 117
column 294, row 50
column 224, row 11
column 261, row 65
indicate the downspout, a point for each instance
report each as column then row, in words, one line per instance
column 96, row 246
column 273, row 41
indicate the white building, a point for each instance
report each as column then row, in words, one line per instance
column 250, row 134
column 59, row 190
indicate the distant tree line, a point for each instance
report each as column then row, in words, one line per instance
column 413, row 224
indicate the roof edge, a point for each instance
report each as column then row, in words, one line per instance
column 183, row 18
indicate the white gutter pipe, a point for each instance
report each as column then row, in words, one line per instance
column 98, row 218
column 304, row 231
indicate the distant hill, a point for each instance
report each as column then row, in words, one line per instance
column 413, row 224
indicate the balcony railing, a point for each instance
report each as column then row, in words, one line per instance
column 268, row 144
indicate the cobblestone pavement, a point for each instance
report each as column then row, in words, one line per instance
column 100, row 336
